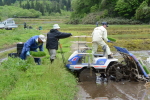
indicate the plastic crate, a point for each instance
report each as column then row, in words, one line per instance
column 19, row 48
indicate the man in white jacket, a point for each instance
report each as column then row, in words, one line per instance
column 99, row 35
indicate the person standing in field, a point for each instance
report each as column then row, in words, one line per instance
column 25, row 25
column 33, row 44
column 53, row 37
column 97, row 24
column 99, row 35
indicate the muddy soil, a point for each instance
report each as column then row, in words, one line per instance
column 111, row 90
column 114, row 90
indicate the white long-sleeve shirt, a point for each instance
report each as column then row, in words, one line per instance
column 99, row 33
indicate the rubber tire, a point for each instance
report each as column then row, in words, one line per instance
column 86, row 76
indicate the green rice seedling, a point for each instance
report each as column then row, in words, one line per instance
column 38, row 54
column 111, row 39
column 145, row 67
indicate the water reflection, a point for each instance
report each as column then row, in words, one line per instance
column 115, row 91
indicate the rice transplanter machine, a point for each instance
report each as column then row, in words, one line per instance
column 90, row 66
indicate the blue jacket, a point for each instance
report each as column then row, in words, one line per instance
column 31, row 45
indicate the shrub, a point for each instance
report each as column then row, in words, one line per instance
column 74, row 21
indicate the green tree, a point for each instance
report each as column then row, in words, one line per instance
column 20, row 3
column 28, row 5
column 32, row 4
column 1, row 3
column 143, row 12
column 82, row 7
column 127, row 8
column 94, row 8
column 10, row 11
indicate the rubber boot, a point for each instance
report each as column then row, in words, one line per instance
column 110, row 57
column 52, row 60
column 38, row 61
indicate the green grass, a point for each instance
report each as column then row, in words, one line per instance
column 38, row 82
column 12, row 37
column 52, row 82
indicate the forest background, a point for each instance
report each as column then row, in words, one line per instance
column 80, row 11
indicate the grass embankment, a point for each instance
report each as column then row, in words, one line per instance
column 24, row 80
column 21, row 80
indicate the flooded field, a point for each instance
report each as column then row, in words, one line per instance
column 113, row 91
column 124, row 90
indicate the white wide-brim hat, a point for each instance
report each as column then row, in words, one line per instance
column 42, row 37
column 56, row 26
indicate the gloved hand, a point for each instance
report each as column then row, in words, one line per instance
column 108, row 41
column 28, row 53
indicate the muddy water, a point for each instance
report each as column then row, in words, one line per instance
column 115, row 90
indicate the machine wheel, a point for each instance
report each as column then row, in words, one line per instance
column 87, row 75
column 116, row 71
column 134, row 74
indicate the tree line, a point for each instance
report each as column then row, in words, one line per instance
column 46, row 7
column 129, row 9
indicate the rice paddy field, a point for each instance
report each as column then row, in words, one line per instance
column 132, row 37
column 24, row 80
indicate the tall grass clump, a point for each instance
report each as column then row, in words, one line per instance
column 10, row 72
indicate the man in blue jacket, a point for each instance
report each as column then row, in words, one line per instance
column 53, row 37
column 31, row 45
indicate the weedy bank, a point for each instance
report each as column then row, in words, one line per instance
column 24, row 80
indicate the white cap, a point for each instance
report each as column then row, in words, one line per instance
column 56, row 26
column 42, row 37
